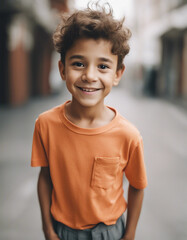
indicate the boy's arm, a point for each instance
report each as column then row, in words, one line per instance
column 44, row 195
column 135, row 199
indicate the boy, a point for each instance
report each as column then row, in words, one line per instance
column 84, row 147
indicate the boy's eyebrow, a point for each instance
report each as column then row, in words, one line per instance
column 82, row 57
column 76, row 56
column 106, row 59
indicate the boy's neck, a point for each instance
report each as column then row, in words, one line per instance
column 88, row 117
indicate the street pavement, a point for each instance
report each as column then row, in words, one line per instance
column 164, row 130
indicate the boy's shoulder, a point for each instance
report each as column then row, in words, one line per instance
column 129, row 130
column 50, row 116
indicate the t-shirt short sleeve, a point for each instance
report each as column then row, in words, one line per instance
column 38, row 156
column 135, row 170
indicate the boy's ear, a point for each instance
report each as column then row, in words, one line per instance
column 118, row 76
column 61, row 69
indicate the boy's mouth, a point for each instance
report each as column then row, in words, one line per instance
column 88, row 89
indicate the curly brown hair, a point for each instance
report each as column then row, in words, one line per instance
column 93, row 23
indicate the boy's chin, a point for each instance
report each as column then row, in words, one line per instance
column 88, row 103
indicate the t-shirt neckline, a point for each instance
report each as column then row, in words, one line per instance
column 87, row 131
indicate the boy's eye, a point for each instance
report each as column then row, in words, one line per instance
column 78, row 64
column 102, row 66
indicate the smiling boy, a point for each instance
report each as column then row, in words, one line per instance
column 90, row 72
column 83, row 146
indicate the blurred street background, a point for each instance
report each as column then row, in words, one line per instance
column 152, row 95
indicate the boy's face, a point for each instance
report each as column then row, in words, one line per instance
column 90, row 71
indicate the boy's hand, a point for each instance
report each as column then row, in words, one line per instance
column 52, row 236
column 125, row 237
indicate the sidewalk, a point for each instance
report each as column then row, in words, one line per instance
column 164, row 130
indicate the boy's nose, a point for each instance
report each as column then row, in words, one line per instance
column 89, row 75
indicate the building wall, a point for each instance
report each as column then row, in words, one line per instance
column 19, row 46
column 184, row 68
column 161, row 31
column 26, row 48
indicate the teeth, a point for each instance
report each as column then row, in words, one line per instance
column 88, row 90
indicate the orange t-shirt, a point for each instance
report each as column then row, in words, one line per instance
column 87, row 167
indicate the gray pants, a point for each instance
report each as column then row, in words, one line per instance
column 99, row 232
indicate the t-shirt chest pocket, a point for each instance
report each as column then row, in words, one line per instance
column 105, row 171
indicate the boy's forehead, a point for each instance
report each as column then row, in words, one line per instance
column 94, row 47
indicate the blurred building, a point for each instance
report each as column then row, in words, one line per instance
column 161, row 28
column 26, row 47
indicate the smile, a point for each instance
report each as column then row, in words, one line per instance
column 89, row 89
